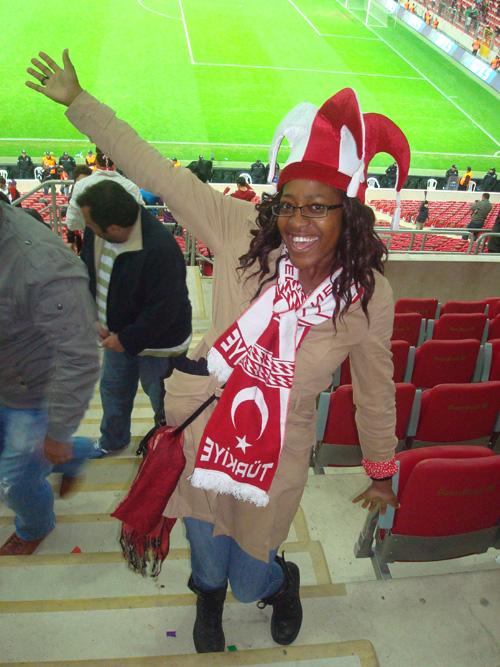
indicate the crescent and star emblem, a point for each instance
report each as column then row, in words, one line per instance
column 250, row 394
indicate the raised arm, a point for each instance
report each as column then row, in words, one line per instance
column 213, row 218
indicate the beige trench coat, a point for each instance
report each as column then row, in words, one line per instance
column 224, row 224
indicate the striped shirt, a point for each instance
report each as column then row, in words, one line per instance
column 110, row 252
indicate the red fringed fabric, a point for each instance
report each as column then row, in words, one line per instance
column 145, row 537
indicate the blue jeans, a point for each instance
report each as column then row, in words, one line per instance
column 23, row 469
column 217, row 560
column 120, row 377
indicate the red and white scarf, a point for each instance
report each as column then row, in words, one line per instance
column 255, row 356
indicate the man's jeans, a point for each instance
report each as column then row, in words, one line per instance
column 23, row 469
column 217, row 560
column 120, row 377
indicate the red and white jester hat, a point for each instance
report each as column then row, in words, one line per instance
column 334, row 145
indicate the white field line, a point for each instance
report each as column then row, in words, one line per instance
column 309, row 70
column 191, row 58
column 222, row 143
column 308, row 21
column 354, row 37
column 426, row 78
column 154, row 11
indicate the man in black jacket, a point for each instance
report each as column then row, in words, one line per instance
column 138, row 279
column 24, row 166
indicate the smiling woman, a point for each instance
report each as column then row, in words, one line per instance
column 298, row 286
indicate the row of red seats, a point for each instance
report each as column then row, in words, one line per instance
column 449, row 500
column 445, row 414
column 430, row 308
column 436, row 362
column 441, row 214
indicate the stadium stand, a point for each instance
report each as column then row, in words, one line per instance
column 439, row 361
column 428, row 308
column 409, row 327
column 456, row 326
column 449, row 499
column 491, row 361
column 455, row 414
column 337, row 435
column 464, row 307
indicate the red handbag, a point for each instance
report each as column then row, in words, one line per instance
column 145, row 534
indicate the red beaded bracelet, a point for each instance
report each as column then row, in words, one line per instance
column 380, row 469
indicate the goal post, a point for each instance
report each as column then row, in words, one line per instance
column 375, row 13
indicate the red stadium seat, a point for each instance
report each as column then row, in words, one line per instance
column 456, row 326
column 400, row 352
column 491, row 362
column 493, row 306
column 439, row 361
column 409, row 327
column 463, row 307
column 449, row 508
column 494, row 328
column 458, row 414
column 337, row 434
column 428, row 308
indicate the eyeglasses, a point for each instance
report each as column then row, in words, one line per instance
column 286, row 210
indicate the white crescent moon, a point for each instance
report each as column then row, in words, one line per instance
column 251, row 394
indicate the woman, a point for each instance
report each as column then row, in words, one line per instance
column 297, row 287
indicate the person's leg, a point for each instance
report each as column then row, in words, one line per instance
column 83, row 449
column 23, row 470
column 253, row 579
column 209, row 555
column 152, row 372
column 209, row 560
column 275, row 582
column 119, row 381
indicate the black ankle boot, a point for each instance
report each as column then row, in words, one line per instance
column 287, row 610
column 208, row 635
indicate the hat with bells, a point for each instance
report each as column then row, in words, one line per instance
column 334, row 145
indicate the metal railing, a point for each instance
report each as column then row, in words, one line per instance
column 193, row 257
column 419, row 237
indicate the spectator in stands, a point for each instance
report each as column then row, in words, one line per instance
column 90, row 160
column 202, row 168
column 175, row 162
column 81, row 171
column 391, row 174
column 313, row 258
column 3, row 187
column 495, row 63
column 138, row 278
column 150, row 199
column 243, row 190
column 24, row 166
column 49, row 165
column 48, row 368
column 464, row 181
column 49, row 169
column 68, row 164
column 494, row 241
column 480, row 211
column 435, row 23
column 13, row 191
column 489, row 180
column 422, row 215
column 106, row 170
column 258, row 172
column 452, row 178
column 476, row 45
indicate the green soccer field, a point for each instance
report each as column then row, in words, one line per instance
column 217, row 76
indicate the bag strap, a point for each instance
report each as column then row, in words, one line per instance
column 143, row 445
column 195, row 414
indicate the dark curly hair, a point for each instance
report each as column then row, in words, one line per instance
column 359, row 251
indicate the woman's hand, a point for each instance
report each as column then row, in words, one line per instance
column 377, row 496
column 60, row 85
